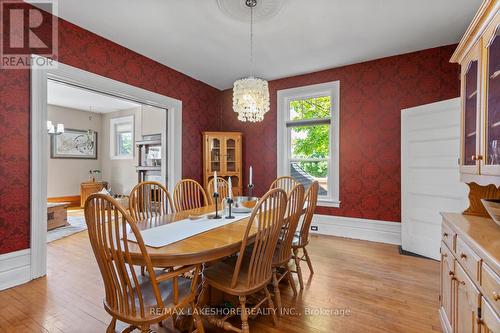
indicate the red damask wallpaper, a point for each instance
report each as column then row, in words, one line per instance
column 372, row 95
column 85, row 50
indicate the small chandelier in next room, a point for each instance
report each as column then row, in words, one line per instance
column 251, row 95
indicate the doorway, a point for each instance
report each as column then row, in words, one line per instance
column 71, row 77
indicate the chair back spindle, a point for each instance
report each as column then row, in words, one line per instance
column 267, row 219
column 295, row 204
column 311, row 199
column 149, row 199
column 286, row 183
column 222, row 188
column 189, row 194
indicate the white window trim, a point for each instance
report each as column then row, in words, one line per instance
column 283, row 152
column 112, row 137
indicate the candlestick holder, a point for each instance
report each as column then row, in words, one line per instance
column 250, row 190
column 230, row 205
column 216, row 197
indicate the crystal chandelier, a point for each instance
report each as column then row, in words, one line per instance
column 251, row 95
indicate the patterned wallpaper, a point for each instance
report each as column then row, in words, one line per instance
column 85, row 50
column 372, row 95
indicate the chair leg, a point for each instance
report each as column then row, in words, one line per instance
column 291, row 281
column 277, row 295
column 244, row 315
column 143, row 270
column 112, row 326
column 198, row 323
column 309, row 263
column 297, row 267
column 271, row 307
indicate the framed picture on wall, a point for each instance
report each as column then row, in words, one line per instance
column 75, row 144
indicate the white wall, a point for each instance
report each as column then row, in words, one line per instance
column 120, row 174
column 65, row 175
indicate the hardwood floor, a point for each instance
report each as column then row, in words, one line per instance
column 381, row 291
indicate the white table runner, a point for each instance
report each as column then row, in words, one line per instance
column 177, row 231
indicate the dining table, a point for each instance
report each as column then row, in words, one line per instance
column 204, row 247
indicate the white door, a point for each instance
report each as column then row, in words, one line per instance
column 430, row 179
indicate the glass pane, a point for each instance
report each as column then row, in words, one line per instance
column 493, row 130
column 307, row 172
column 310, row 141
column 231, row 155
column 124, row 143
column 470, row 114
column 310, row 108
column 214, row 155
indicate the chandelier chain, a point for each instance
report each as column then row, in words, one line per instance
column 251, row 41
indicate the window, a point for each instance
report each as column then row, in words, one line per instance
column 122, row 137
column 308, row 138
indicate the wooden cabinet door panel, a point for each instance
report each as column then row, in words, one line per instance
column 447, row 273
column 490, row 322
column 466, row 303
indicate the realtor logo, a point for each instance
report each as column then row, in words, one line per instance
column 28, row 28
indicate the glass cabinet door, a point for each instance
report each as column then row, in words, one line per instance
column 470, row 113
column 231, row 155
column 215, row 154
column 492, row 141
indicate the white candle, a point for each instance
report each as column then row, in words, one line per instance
column 230, row 188
column 215, row 182
column 250, row 177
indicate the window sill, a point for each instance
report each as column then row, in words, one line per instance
column 124, row 157
column 328, row 203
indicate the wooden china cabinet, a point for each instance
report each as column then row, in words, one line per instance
column 479, row 56
column 470, row 248
column 222, row 153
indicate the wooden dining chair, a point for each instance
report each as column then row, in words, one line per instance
column 301, row 238
column 251, row 271
column 283, row 252
column 189, row 194
column 149, row 199
column 129, row 297
column 223, row 190
column 286, row 183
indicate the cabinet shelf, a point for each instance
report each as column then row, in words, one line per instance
column 148, row 168
column 472, row 95
column 495, row 75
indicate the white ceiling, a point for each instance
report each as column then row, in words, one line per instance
column 196, row 38
column 61, row 94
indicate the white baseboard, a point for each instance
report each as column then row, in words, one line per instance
column 14, row 268
column 356, row 228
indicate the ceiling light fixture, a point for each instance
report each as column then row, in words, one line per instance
column 251, row 95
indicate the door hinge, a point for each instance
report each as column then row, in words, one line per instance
column 458, row 160
column 479, row 312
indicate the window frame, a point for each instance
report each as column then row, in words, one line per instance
column 284, row 157
column 113, row 137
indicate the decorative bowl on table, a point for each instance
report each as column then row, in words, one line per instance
column 493, row 208
column 244, row 204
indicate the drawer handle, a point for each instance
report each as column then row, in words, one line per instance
column 496, row 296
column 445, row 255
column 463, row 256
column 450, row 273
column 445, row 235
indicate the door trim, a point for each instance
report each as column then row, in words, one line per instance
column 39, row 140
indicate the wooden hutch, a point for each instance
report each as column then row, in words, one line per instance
column 222, row 153
column 470, row 247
